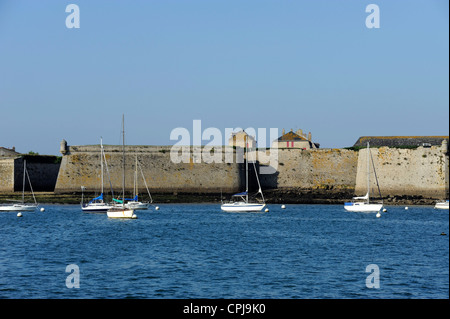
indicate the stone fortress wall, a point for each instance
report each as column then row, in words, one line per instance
column 422, row 171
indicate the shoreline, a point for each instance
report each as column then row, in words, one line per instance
column 271, row 197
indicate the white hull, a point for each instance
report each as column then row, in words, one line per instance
column 441, row 205
column 242, row 207
column 96, row 208
column 363, row 207
column 121, row 213
column 137, row 205
column 18, row 208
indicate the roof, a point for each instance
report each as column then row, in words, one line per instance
column 291, row 136
column 399, row 141
column 8, row 152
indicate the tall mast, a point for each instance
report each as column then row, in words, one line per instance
column 136, row 179
column 23, row 186
column 101, row 160
column 368, row 172
column 123, row 161
column 246, row 166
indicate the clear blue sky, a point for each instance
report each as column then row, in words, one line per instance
column 230, row 63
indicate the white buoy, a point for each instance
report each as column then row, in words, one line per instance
column 19, row 214
column 283, row 206
column 378, row 215
column 42, row 209
column 134, row 216
column 384, row 210
column 266, row 210
column 157, row 208
column 406, row 208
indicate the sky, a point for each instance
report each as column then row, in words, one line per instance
column 310, row 65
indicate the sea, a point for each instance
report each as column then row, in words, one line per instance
column 197, row 251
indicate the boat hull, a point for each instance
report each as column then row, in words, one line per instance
column 441, row 205
column 121, row 213
column 363, row 207
column 137, row 205
column 18, row 208
column 242, row 207
column 99, row 208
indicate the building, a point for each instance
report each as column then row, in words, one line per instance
column 8, row 152
column 296, row 140
column 238, row 140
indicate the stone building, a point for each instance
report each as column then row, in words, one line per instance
column 238, row 140
column 8, row 152
column 296, row 140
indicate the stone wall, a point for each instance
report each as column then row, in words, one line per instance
column 321, row 173
column 411, row 172
column 6, row 174
column 42, row 170
column 320, row 169
column 81, row 167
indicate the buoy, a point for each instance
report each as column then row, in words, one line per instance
column 378, row 215
column 406, row 208
column 283, row 206
column 266, row 210
column 134, row 216
column 384, row 210
column 19, row 214
column 157, row 208
column 42, row 209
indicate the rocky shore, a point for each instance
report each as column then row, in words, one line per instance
column 271, row 197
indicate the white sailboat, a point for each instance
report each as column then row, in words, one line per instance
column 98, row 204
column 122, row 211
column 441, row 205
column 363, row 203
column 135, row 203
column 240, row 202
column 21, row 206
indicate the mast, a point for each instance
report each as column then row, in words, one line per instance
column 136, row 179
column 123, row 161
column 368, row 172
column 101, row 160
column 246, row 167
column 23, row 186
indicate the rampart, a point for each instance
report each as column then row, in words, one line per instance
column 42, row 170
column 405, row 172
column 420, row 172
column 80, row 166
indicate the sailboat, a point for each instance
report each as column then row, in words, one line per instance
column 240, row 201
column 97, row 204
column 134, row 202
column 363, row 203
column 441, row 204
column 121, row 211
column 21, row 206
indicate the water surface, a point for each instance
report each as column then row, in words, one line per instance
column 197, row 251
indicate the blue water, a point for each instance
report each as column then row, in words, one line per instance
column 197, row 251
